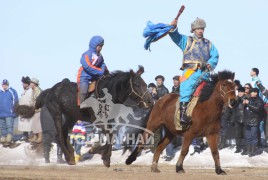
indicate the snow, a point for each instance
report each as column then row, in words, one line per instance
column 22, row 155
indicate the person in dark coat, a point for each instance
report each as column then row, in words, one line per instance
column 225, row 122
column 160, row 87
column 176, row 85
column 49, row 134
column 152, row 91
column 177, row 140
column 238, row 119
column 161, row 90
column 254, row 107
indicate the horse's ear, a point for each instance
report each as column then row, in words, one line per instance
column 140, row 71
column 132, row 73
column 233, row 76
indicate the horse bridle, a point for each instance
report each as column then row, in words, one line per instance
column 223, row 93
column 132, row 91
column 137, row 94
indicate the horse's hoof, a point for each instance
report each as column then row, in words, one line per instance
column 220, row 172
column 129, row 161
column 72, row 162
column 156, row 170
column 179, row 169
column 106, row 163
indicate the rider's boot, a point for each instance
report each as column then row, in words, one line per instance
column 184, row 120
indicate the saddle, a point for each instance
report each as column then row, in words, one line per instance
column 91, row 89
column 190, row 108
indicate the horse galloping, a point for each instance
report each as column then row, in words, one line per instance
column 205, row 120
column 61, row 99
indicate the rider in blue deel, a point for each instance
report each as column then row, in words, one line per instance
column 199, row 54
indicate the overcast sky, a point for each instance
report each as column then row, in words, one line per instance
column 45, row 39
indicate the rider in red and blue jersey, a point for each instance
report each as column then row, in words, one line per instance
column 93, row 66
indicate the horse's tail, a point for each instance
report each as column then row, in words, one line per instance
column 40, row 101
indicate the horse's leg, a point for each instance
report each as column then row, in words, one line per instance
column 160, row 147
column 213, row 144
column 106, row 154
column 184, row 151
column 56, row 113
column 68, row 144
column 135, row 153
column 106, row 151
column 153, row 124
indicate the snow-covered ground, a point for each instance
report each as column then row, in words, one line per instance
column 21, row 155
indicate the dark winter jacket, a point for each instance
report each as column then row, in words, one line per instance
column 161, row 91
column 227, row 115
column 238, row 111
column 254, row 111
column 176, row 89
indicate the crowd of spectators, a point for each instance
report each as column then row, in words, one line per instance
column 242, row 126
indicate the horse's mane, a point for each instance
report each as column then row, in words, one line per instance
column 210, row 86
column 115, row 81
column 40, row 101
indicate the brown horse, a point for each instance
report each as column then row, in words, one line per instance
column 205, row 120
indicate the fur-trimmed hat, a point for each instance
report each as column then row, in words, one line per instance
column 26, row 80
column 198, row 23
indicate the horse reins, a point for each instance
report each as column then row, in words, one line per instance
column 97, row 84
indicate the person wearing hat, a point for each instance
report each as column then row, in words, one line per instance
column 171, row 147
column 8, row 99
column 254, row 107
column 36, row 124
column 161, row 89
column 256, row 83
column 239, row 120
column 93, row 67
column 199, row 57
column 176, row 85
column 152, row 91
column 25, row 124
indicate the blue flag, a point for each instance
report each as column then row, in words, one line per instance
column 153, row 32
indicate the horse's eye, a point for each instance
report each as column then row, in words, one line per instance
column 223, row 84
column 137, row 85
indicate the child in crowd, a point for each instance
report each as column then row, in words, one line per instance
column 78, row 138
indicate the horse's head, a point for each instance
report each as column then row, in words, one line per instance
column 139, row 91
column 226, row 87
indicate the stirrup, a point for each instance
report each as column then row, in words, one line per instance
column 185, row 123
column 184, row 120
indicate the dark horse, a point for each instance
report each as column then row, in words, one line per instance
column 61, row 99
column 205, row 120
